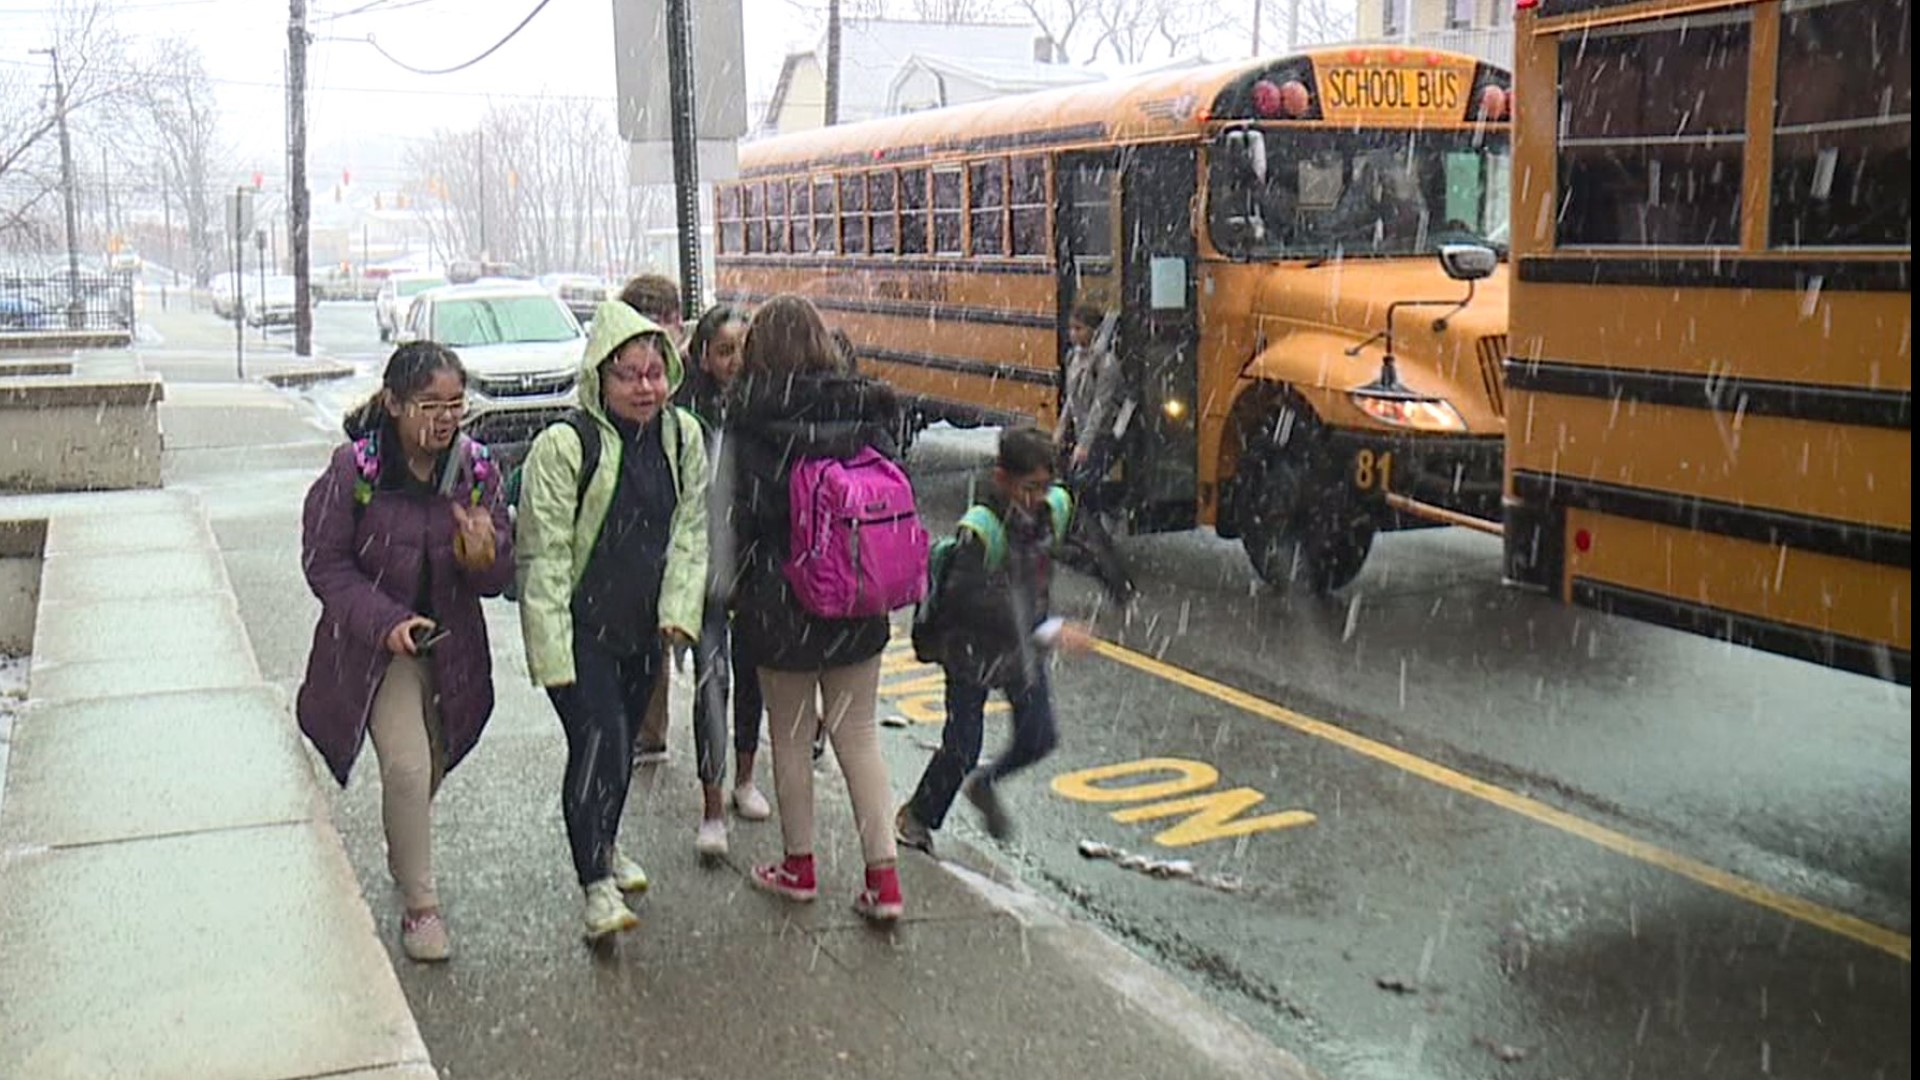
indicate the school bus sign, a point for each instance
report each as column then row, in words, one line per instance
column 1400, row 94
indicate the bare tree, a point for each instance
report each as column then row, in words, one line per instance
column 95, row 67
column 1286, row 25
column 955, row 11
column 183, row 129
column 1060, row 21
column 1135, row 31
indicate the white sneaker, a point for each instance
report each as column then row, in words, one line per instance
column 606, row 912
column 711, row 840
column 627, row 875
column 750, row 804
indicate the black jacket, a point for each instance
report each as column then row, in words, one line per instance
column 988, row 615
column 770, row 426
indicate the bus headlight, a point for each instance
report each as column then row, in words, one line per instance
column 1418, row 414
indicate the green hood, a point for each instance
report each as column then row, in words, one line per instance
column 614, row 324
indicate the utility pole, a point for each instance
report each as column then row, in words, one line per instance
column 1293, row 27
column 1257, row 5
column 833, row 63
column 686, row 161
column 76, row 311
column 297, row 201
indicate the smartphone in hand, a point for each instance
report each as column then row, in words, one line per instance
column 426, row 637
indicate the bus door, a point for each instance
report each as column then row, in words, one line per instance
column 1159, row 336
column 1087, row 213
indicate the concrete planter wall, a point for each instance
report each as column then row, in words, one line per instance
column 67, row 434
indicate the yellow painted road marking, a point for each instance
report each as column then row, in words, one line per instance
column 1847, row 926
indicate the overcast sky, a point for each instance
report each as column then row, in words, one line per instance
column 566, row 50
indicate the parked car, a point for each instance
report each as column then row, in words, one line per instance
column 25, row 313
column 273, row 307
column 521, row 347
column 396, row 296
column 582, row 293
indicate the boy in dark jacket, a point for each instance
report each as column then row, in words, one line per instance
column 995, row 631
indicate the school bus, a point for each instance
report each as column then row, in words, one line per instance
column 1265, row 238
column 1711, row 380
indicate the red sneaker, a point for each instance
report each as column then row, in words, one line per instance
column 792, row 878
column 881, row 900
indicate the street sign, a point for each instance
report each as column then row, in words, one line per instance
column 641, row 80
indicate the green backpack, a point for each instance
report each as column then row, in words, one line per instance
column 929, row 631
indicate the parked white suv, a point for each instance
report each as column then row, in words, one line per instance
column 396, row 296
column 521, row 348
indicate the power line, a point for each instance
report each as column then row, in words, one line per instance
column 376, row 7
column 604, row 99
column 497, row 46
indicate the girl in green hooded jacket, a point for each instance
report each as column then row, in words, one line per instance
column 610, row 579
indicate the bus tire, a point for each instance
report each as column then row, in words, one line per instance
column 1300, row 525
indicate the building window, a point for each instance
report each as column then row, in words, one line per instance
column 987, row 185
column 752, row 209
column 824, row 227
column 1392, row 18
column 949, row 210
column 913, row 212
column 776, row 217
column 732, row 230
column 1843, row 135
column 1030, row 206
column 853, row 214
column 880, row 205
column 1652, row 129
column 800, row 206
column 1461, row 13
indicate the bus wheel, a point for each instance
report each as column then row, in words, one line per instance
column 1300, row 525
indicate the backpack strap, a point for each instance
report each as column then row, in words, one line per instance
column 588, row 431
column 1060, row 509
column 985, row 524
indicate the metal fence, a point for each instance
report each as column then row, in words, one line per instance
column 42, row 302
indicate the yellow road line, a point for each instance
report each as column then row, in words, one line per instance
column 1878, row 937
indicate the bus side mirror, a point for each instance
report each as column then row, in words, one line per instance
column 1249, row 149
column 1468, row 262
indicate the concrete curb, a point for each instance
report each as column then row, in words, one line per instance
column 302, row 377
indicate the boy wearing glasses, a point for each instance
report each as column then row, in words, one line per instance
column 994, row 629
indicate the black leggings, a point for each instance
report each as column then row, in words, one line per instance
column 719, row 652
column 600, row 712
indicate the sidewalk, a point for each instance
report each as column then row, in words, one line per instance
column 185, row 342
column 173, row 902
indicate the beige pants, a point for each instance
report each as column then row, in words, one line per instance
column 849, row 695
column 406, row 738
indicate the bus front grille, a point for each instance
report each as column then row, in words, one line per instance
column 1493, row 362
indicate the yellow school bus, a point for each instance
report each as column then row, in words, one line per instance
column 1712, row 368
column 1264, row 238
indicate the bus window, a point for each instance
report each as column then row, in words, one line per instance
column 1652, row 126
column 756, row 225
column 1030, row 206
column 777, row 217
column 1369, row 192
column 800, row 205
column 913, row 211
column 988, row 186
column 1090, row 224
column 880, row 204
column 853, row 214
column 732, row 232
column 1843, row 140
column 949, row 210
column 823, row 216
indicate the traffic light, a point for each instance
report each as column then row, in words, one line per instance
column 259, row 179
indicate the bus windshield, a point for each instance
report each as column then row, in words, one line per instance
column 1313, row 195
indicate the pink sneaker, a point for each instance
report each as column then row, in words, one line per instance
column 881, row 900
column 792, row 878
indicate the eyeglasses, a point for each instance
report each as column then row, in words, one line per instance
column 437, row 408
column 620, row 374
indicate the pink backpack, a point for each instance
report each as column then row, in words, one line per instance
column 858, row 549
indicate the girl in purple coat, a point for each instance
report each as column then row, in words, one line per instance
column 402, row 536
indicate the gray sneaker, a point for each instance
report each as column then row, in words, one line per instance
column 911, row 832
column 979, row 791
